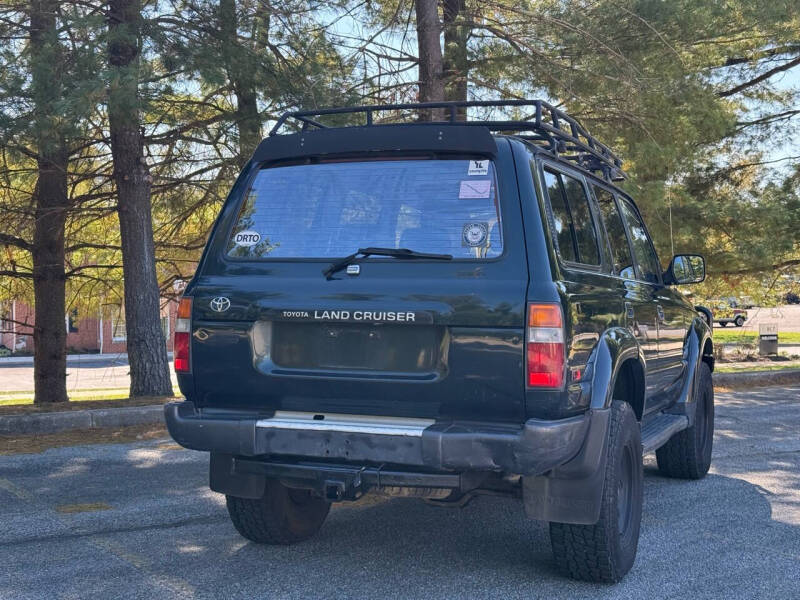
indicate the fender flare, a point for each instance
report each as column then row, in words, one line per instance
column 706, row 311
column 705, row 335
column 572, row 492
column 615, row 346
column 693, row 356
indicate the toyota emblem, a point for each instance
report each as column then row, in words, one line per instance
column 220, row 304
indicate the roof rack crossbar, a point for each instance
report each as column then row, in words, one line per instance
column 564, row 133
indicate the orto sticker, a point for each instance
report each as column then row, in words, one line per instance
column 478, row 167
column 479, row 188
column 474, row 235
column 247, row 238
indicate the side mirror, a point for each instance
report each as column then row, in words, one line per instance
column 686, row 268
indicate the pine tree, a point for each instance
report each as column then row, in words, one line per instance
column 47, row 249
column 147, row 353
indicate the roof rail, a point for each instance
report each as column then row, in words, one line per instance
column 564, row 135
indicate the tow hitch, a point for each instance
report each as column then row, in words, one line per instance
column 337, row 483
column 336, row 491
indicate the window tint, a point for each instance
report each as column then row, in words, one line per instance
column 583, row 226
column 330, row 210
column 646, row 259
column 572, row 219
column 620, row 250
column 561, row 218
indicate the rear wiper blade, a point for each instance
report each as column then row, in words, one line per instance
column 372, row 251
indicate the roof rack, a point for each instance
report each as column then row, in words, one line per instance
column 563, row 135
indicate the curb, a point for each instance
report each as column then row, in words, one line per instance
column 757, row 378
column 93, row 418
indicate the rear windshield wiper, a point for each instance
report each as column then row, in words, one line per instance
column 371, row 251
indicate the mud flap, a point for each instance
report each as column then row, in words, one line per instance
column 222, row 479
column 573, row 492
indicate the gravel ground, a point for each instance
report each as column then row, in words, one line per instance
column 136, row 520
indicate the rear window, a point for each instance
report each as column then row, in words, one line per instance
column 330, row 210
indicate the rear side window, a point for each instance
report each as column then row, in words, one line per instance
column 328, row 210
column 575, row 232
column 646, row 259
column 618, row 240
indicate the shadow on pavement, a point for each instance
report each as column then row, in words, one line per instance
column 167, row 534
column 162, row 533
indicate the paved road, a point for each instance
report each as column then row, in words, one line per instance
column 108, row 372
column 149, row 528
column 787, row 317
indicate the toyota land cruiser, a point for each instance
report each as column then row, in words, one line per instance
column 436, row 309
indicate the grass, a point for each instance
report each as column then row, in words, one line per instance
column 737, row 336
column 723, row 368
column 25, row 405
column 27, row 397
column 39, row 442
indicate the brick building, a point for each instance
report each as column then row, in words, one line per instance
column 103, row 332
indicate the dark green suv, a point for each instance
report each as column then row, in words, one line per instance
column 438, row 309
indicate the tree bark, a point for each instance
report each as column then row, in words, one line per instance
column 431, row 84
column 52, row 202
column 457, row 29
column 147, row 352
column 240, row 76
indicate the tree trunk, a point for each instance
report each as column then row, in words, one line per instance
column 457, row 28
column 431, row 85
column 52, row 202
column 240, row 76
column 147, row 352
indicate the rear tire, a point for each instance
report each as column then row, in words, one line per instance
column 605, row 552
column 687, row 455
column 739, row 321
column 282, row 516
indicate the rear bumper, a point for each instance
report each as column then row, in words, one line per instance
column 533, row 448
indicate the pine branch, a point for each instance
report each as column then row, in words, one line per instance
column 763, row 77
column 760, row 269
column 15, row 241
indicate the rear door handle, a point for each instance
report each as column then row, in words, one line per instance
column 660, row 311
column 629, row 310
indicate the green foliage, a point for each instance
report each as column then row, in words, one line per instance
column 669, row 86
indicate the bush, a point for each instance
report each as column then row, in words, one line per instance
column 791, row 298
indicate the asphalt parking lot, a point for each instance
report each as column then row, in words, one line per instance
column 137, row 521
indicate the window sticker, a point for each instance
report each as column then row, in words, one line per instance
column 480, row 188
column 474, row 235
column 247, row 238
column 478, row 167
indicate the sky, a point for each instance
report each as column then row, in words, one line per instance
column 787, row 81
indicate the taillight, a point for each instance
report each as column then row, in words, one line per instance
column 183, row 329
column 545, row 346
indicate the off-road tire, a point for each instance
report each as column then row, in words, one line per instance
column 282, row 516
column 739, row 321
column 687, row 455
column 604, row 552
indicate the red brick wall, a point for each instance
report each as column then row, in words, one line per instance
column 169, row 308
column 87, row 338
column 109, row 345
column 24, row 314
